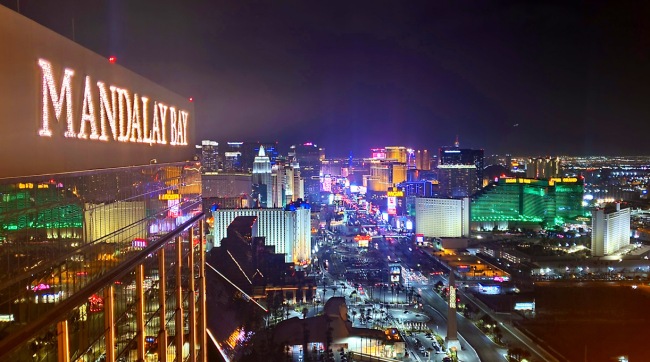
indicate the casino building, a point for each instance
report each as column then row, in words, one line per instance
column 287, row 229
column 101, row 228
column 529, row 203
column 442, row 218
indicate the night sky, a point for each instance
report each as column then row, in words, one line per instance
column 552, row 78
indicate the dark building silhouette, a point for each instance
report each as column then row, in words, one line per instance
column 460, row 171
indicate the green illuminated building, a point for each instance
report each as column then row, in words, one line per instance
column 526, row 202
column 42, row 206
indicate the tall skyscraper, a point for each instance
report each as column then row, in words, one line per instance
column 231, row 157
column 385, row 174
column 397, row 154
column 209, row 156
column 423, row 160
column 263, row 178
column 250, row 150
column 271, row 149
column 460, row 171
column 288, row 229
column 457, row 180
column 309, row 155
column 442, row 218
column 288, row 184
column 610, row 230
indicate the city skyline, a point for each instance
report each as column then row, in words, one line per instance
column 515, row 78
column 129, row 232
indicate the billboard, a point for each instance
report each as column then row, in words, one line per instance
column 363, row 240
column 69, row 109
column 392, row 205
column 395, row 193
column 525, row 306
column 327, row 184
column 489, row 289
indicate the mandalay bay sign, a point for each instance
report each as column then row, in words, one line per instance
column 107, row 113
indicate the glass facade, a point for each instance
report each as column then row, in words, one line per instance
column 519, row 200
column 97, row 265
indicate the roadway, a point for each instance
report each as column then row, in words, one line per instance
column 538, row 351
column 485, row 349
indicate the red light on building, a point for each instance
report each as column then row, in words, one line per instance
column 191, row 99
column 112, row 59
column 96, row 303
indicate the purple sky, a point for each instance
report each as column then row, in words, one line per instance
column 574, row 77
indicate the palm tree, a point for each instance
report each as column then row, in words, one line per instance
column 497, row 334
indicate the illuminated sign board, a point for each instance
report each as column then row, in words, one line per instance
column 525, row 306
column 362, row 240
column 489, row 289
column 520, row 180
column 68, row 109
column 392, row 205
column 452, row 297
column 564, row 179
column 139, row 243
column 378, row 153
column 30, row 185
column 41, row 287
column 173, row 208
column 168, row 196
column 327, row 183
column 108, row 112
column 395, row 269
column 398, row 193
column 419, row 238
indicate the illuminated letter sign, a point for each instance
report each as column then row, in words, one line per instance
column 452, row 297
column 50, row 95
column 122, row 117
column 395, row 193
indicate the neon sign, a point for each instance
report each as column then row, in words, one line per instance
column 392, row 205
column 123, row 117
